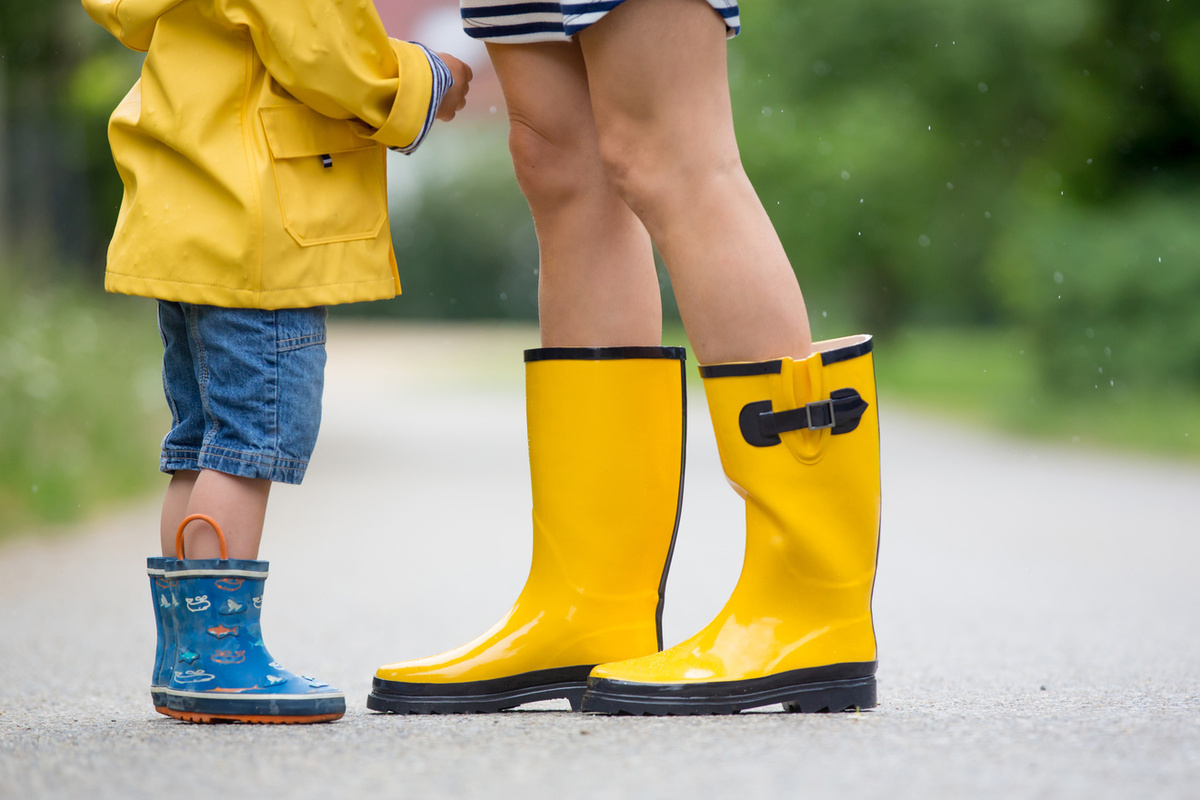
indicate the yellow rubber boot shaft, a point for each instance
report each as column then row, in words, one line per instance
column 606, row 438
column 812, row 523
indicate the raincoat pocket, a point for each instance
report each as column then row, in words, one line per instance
column 331, row 181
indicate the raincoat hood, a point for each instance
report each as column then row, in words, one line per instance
column 131, row 21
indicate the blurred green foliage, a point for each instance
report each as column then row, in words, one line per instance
column 993, row 377
column 1024, row 170
column 907, row 153
column 81, row 408
column 1109, row 292
column 968, row 162
column 461, row 230
column 936, row 163
column 60, row 77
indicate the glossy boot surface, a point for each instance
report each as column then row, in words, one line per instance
column 164, row 623
column 799, row 441
column 222, row 670
column 606, row 438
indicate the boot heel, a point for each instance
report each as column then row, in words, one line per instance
column 851, row 696
column 575, row 698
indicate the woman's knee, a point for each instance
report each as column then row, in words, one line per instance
column 657, row 176
column 550, row 168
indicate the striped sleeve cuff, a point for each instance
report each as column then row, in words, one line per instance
column 442, row 81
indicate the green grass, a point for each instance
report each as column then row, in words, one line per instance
column 81, row 409
column 993, row 378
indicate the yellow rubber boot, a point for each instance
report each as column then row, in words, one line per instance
column 799, row 440
column 606, row 443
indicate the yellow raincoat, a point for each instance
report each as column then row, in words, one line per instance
column 252, row 150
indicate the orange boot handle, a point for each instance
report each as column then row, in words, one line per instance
column 215, row 527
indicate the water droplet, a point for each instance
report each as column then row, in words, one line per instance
column 923, row 240
column 982, row 87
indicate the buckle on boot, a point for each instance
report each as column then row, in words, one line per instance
column 827, row 415
column 841, row 413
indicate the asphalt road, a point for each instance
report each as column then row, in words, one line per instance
column 1036, row 606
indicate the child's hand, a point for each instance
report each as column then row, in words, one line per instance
column 456, row 95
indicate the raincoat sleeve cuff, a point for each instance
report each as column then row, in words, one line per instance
column 442, row 81
column 408, row 121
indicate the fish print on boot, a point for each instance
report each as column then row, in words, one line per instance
column 223, row 670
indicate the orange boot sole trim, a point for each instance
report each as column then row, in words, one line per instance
column 253, row 719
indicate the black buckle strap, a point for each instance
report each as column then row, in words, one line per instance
column 840, row 414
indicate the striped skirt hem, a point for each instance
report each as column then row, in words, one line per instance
column 524, row 21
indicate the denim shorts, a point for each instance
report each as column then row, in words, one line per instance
column 244, row 386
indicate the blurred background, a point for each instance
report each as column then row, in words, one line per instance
column 1005, row 193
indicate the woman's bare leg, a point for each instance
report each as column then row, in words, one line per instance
column 597, row 285
column 660, row 98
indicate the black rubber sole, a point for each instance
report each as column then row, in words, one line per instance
column 838, row 687
column 257, row 706
column 479, row 697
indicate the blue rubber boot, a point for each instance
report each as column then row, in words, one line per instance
column 223, row 671
column 164, row 599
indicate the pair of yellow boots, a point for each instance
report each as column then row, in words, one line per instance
column 799, row 441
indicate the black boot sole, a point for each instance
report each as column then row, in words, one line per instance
column 838, row 687
column 254, row 708
column 479, row 697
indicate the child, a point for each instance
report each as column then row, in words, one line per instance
column 621, row 133
column 252, row 152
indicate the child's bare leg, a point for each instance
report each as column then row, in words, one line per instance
column 239, row 505
column 660, row 96
column 597, row 285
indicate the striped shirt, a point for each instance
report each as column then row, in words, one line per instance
column 522, row 21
